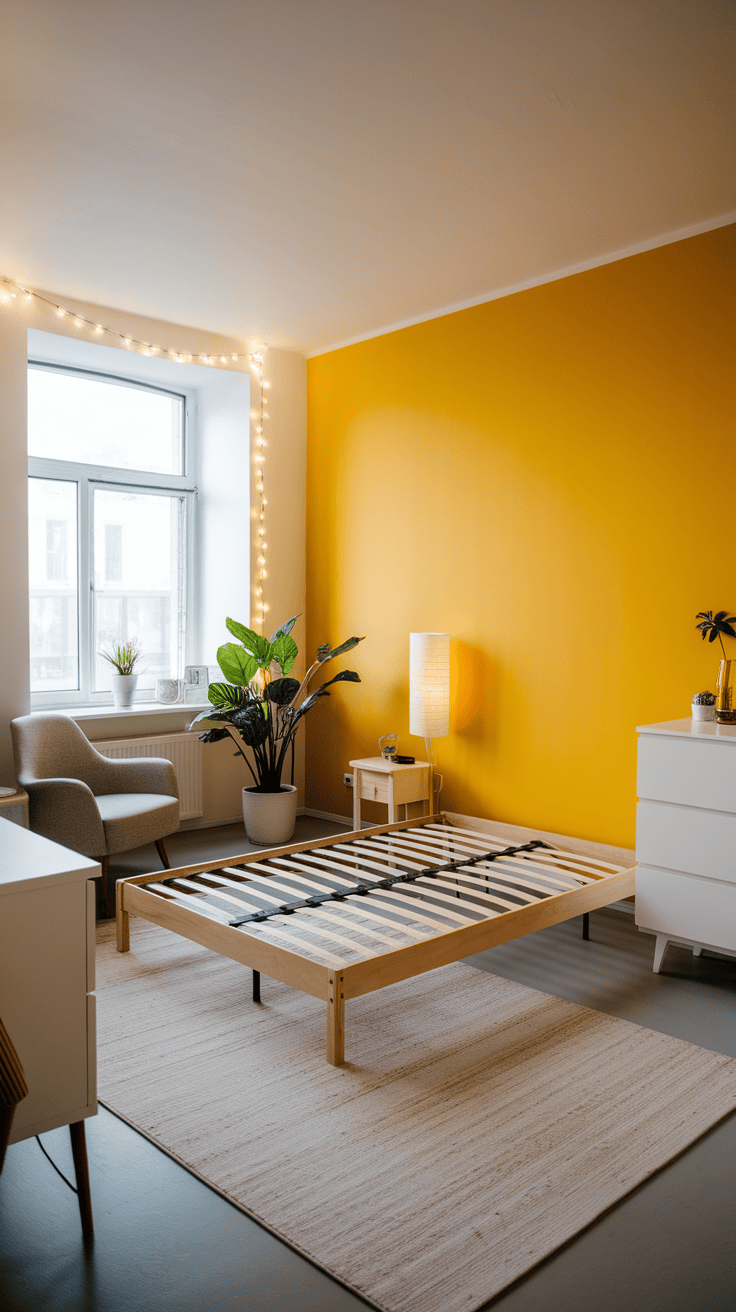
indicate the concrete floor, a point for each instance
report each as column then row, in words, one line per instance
column 164, row 1241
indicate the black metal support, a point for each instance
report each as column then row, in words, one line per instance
column 362, row 890
column 256, row 985
column 586, row 925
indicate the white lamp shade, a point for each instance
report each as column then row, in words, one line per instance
column 429, row 685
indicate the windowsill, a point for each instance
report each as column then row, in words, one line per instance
column 104, row 712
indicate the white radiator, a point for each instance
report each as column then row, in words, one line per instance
column 184, row 750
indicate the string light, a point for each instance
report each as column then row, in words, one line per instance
column 10, row 291
column 258, row 415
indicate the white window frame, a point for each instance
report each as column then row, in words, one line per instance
column 88, row 477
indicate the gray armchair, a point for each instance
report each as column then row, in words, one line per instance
column 87, row 802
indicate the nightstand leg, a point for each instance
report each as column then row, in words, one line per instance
column 79, row 1153
column 356, row 798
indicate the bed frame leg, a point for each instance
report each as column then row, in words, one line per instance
column 256, row 985
column 335, row 1018
column 123, row 922
column 586, row 925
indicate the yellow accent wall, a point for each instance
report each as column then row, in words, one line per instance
column 550, row 477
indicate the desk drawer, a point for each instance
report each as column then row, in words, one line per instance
column 685, row 907
column 692, row 772
column 691, row 841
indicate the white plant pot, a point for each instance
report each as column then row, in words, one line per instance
column 269, row 818
column 123, row 687
column 703, row 712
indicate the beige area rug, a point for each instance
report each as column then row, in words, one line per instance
column 478, row 1125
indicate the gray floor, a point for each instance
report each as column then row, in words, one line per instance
column 165, row 1241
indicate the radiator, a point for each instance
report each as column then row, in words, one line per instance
column 184, row 750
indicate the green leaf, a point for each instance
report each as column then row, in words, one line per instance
column 207, row 715
column 282, row 691
column 252, row 724
column 225, row 694
column 284, row 628
column 325, row 653
column 236, row 664
column 254, row 643
column 285, row 652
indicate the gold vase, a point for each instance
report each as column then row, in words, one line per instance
column 725, row 710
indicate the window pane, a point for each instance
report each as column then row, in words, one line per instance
column 104, row 422
column 138, row 547
column 52, row 560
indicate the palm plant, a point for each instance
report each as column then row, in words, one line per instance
column 713, row 626
column 259, row 710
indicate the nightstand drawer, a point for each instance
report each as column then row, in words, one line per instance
column 373, row 786
column 682, row 838
column 692, row 772
column 686, row 907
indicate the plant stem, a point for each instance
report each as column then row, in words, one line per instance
column 723, row 649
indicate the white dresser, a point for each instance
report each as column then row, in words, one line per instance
column 47, row 980
column 686, row 835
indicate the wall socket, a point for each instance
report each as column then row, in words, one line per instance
column 348, row 779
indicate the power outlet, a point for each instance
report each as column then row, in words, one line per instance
column 347, row 779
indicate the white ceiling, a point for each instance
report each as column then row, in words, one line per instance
column 311, row 171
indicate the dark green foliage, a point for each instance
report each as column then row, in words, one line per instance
column 713, row 626
column 282, row 691
column 264, row 713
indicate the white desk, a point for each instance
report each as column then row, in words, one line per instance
column 686, row 835
column 47, row 981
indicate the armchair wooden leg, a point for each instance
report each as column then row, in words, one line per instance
column 104, row 884
column 79, row 1153
column 162, row 853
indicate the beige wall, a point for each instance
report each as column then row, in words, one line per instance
column 285, row 481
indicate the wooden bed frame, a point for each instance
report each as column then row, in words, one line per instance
column 349, row 914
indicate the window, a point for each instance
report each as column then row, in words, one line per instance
column 110, row 520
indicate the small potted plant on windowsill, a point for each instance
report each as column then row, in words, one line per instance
column 122, row 656
column 264, row 712
column 711, row 627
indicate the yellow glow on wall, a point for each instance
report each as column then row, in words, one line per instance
column 549, row 477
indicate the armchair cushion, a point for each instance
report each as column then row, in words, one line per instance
column 132, row 819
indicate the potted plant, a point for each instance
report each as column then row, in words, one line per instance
column 711, row 627
column 123, row 677
column 263, row 711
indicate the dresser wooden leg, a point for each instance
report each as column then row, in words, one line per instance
column 660, row 948
column 79, row 1153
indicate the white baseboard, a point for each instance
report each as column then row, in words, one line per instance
column 327, row 815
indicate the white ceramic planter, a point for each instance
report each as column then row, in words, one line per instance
column 700, row 712
column 123, row 687
column 269, row 818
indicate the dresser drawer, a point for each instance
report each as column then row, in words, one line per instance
column 693, row 772
column 684, row 839
column 686, row 907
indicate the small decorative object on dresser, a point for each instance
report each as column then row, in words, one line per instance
column 123, row 678
column 704, row 706
column 711, row 627
column 264, row 714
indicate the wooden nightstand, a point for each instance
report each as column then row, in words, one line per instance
column 377, row 780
